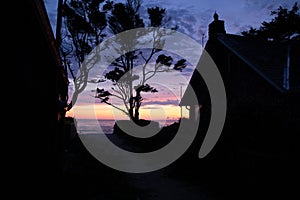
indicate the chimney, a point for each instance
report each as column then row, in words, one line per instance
column 216, row 26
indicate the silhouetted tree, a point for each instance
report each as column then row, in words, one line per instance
column 285, row 26
column 127, row 85
column 81, row 26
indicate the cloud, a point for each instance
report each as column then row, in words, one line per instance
column 193, row 16
column 163, row 102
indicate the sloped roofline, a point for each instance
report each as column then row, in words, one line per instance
column 43, row 19
column 244, row 59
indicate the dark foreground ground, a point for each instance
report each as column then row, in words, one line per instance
column 229, row 172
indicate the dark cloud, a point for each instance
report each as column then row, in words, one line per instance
column 164, row 102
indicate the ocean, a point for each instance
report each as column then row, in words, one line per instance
column 88, row 126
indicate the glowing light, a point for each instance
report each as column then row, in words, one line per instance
column 150, row 112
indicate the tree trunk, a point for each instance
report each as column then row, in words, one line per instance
column 136, row 114
column 131, row 106
column 137, row 104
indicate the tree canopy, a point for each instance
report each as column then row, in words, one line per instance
column 284, row 26
column 127, row 84
column 81, row 27
column 86, row 23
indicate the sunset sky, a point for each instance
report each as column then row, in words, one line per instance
column 193, row 17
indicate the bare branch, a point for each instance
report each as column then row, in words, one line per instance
column 116, row 107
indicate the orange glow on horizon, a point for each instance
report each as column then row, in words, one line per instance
column 150, row 112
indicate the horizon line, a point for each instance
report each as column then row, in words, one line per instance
column 108, row 119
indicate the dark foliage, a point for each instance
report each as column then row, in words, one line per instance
column 285, row 26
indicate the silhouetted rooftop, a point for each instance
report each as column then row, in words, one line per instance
column 268, row 59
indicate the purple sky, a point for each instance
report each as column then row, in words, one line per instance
column 193, row 16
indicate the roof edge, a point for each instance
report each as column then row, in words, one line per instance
column 281, row 89
column 43, row 19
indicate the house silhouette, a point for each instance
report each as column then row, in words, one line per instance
column 261, row 79
column 262, row 83
column 45, row 88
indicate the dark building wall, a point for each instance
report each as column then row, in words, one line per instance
column 34, row 58
column 258, row 115
column 259, row 142
column 295, row 66
column 245, row 88
column 40, row 76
